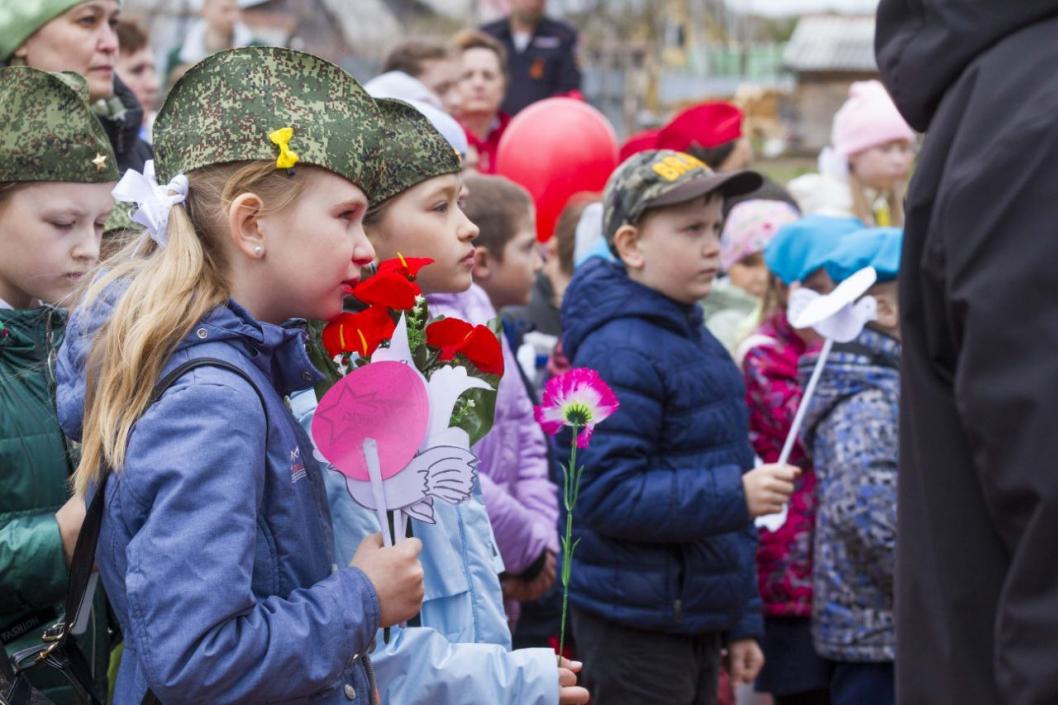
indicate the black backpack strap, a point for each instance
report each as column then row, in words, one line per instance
column 83, row 561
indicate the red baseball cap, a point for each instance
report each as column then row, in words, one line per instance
column 640, row 142
column 707, row 125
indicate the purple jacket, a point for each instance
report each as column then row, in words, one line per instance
column 521, row 501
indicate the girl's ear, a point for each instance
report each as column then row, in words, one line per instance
column 244, row 225
column 482, row 264
column 626, row 243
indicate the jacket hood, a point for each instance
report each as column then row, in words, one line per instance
column 277, row 350
column 872, row 361
column 922, row 46
column 602, row 292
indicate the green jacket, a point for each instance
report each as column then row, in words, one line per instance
column 35, row 466
column 730, row 313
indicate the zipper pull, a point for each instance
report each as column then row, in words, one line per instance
column 677, row 611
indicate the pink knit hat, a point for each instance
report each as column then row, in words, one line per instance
column 750, row 227
column 867, row 119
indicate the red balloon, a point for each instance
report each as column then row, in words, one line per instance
column 556, row 148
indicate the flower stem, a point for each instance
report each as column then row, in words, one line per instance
column 570, row 492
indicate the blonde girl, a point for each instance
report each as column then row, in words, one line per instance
column 864, row 171
column 215, row 547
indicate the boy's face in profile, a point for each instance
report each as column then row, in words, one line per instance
column 509, row 281
column 675, row 249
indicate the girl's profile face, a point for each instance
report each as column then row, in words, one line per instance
column 49, row 236
column 883, row 167
column 314, row 249
column 750, row 274
column 428, row 220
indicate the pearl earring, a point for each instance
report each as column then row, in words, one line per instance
column 258, row 250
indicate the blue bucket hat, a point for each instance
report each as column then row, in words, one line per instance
column 802, row 247
column 870, row 247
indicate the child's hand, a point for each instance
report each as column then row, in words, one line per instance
column 546, row 579
column 396, row 574
column 70, row 517
column 569, row 693
column 744, row 661
column 523, row 591
column 768, row 487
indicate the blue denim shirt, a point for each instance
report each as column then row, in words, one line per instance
column 216, row 549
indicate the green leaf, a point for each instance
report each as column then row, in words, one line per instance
column 320, row 359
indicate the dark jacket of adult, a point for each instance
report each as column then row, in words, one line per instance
column 666, row 541
column 977, row 589
column 123, row 129
column 548, row 66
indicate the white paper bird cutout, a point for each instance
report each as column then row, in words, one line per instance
column 444, row 469
column 839, row 317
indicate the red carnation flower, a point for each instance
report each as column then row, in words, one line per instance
column 478, row 344
column 360, row 332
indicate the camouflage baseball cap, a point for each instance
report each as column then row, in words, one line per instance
column 50, row 132
column 267, row 103
column 412, row 151
column 663, row 177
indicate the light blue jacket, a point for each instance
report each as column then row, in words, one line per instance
column 216, row 548
column 461, row 655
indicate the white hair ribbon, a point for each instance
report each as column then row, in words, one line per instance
column 153, row 201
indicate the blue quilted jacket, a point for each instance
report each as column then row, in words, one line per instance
column 851, row 432
column 667, row 543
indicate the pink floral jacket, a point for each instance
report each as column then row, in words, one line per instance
column 784, row 557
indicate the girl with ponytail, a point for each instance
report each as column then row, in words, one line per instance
column 215, row 547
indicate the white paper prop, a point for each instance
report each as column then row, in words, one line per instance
column 443, row 469
column 838, row 317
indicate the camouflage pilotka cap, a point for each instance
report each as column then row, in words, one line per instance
column 412, row 151
column 267, row 103
column 120, row 221
column 663, row 177
column 50, row 132
column 20, row 19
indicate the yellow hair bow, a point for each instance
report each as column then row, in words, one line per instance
column 281, row 137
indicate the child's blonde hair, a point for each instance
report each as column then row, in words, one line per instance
column 169, row 290
column 863, row 206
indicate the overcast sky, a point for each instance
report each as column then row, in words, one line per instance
column 795, row 7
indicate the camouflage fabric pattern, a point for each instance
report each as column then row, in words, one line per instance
column 226, row 106
column 640, row 179
column 412, row 151
column 19, row 19
column 120, row 221
column 50, row 132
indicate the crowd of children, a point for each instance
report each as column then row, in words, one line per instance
column 171, row 380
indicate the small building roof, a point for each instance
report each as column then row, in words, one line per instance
column 832, row 43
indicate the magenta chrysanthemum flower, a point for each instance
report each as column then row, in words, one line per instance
column 578, row 398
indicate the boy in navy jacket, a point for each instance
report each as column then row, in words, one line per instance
column 664, row 576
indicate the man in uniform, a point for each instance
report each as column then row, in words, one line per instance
column 541, row 55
